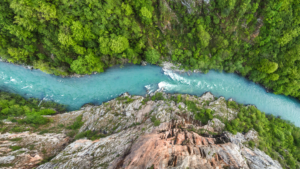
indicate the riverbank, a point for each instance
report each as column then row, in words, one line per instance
column 30, row 67
column 165, row 65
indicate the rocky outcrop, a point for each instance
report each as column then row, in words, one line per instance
column 216, row 124
column 221, row 109
column 133, row 140
column 26, row 150
column 143, row 63
column 170, row 145
column 95, row 154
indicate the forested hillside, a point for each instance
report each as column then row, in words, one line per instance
column 258, row 39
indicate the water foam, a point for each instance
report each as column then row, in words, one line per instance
column 137, row 80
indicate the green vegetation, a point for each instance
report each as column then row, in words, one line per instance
column 14, row 148
column 158, row 96
column 232, row 105
column 203, row 115
column 276, row 136
column 90, row 135
column 128, row 99
column 74, row 128
column 44, row 131
column 16, row 139
column 177, row 99
column 155, row 121
column 77, row 123
column 47, row 159
column 15, row 129
column 13, row 106
column 258, row 39
column 152, row 167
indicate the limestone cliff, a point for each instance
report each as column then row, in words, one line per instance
column 133, row 140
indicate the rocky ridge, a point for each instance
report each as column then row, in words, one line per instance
column 134, row 140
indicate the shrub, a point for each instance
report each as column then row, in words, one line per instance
column 192, row 106
column 153, row 118
column 232, row 105
column 178, row 98
column 129, row 100
column 71, row 133
column 13, row 105
column 17, row 129
column 34, row 118
column 47, row 112
column 251, row 144
column 204, row 115
column 159, row 96
column 90, row 135
column 16, row 139
column 77, row 123
column 44, row 131
column 156, row 122
column 14, row 148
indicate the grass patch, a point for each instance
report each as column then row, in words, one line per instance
column 47, row 159
column 155, row 121
column 44, row 131
column 16, row 139
column 72, row 133
column 77, row 123
column 134, row 124
column 90, row 135
column 14, row 148
column 158, row 96
column 18, row 129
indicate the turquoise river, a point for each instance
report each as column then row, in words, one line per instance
column 136, row 80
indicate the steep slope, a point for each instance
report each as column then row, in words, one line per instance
column 136, row 133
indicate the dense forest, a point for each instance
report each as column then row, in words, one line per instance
column 279, row 138
column 258, row 39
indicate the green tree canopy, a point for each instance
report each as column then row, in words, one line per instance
column 267, row 67
column 152, row 56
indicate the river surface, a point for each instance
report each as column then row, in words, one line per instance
column 135, row 79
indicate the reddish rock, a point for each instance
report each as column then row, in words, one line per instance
column 191, row 150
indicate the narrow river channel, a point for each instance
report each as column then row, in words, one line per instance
column 135, row 79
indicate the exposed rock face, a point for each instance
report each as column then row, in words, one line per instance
column 170, row 147
column 216, row 124
column 95, row 154
column 221, row 109
column 143, row 63
column 30, row 148
column 257, row 159
column 134, row 142
column 166, row 146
